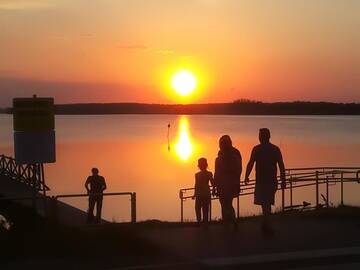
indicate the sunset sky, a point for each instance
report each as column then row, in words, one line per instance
column 127, row 50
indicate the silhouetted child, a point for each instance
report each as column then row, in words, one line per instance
column 202, row 191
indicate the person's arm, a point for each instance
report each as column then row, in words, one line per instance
column 212, row 182
column 240, row 165
column 87, row 182
column 282, row 170
column 250, row 166
column 104, row 185
column 194, row 195
column 216, row 173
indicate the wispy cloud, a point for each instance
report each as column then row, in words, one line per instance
column 165, row 52
column 133, row 47
column 142, row 47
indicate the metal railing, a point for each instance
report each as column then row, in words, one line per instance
column 31, row 175
column 132, row 196
column 51, row 202
column 295, row 178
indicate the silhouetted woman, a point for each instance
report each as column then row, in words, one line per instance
column 228, row 167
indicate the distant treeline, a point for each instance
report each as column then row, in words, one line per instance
column 240, row 107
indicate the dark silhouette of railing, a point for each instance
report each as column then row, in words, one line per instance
column 31, row 175
column 51, row 202
column 295, row 178
column 132, row 196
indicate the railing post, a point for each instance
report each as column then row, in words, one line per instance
column 133, row 207
column 238, row 206
column 181, row 206
column 291, row 193
column 317, row 189
column 283, row 198
column 342, row 189
column 327, row 191
column 210, row 210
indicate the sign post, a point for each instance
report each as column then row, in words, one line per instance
column 34, row 132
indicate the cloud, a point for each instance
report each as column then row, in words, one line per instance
column 133, row 47
column 165, row 52
column 141, row 47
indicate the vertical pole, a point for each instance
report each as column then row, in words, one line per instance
column 327, row 191
column 181, row 207
column 238, row 206
column 32, row 175
column 42, row 186
column 42, row 178
column 291, row 193
column 342, row 189
column 317, row 189
column 133, row 207
column 210, row 209
column 283, row 198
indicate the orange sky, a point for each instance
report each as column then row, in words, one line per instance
column 114, row 51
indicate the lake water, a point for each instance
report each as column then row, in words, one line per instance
column 132, row 153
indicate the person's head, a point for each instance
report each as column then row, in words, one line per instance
column 225, row 142
column 264, row 135
column 202, row 164
column 95, row 171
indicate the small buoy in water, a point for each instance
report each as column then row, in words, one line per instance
column 168, row 137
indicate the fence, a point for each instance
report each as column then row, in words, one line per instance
column 31, row 175
column 51, row 203
column 295, row 178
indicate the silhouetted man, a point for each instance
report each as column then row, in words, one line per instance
column 228, row 167
column 95, row 186
column 266, row 156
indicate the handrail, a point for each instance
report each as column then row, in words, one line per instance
column 295, row 178
column 54, row 199
column 29, row 174
column 131, row 194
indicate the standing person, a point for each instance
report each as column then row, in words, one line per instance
column 266, row 156
column 95, row 186
column 202, row 191
column 228, row 168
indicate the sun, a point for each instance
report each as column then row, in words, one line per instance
column 184, row 82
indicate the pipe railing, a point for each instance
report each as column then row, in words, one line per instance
column 52, row 210
column 295, row 178
column 132, row 196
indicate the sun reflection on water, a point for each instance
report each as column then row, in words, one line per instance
column 184, row 146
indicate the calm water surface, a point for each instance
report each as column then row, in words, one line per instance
column 132, row 152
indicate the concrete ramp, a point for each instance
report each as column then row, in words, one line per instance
column 65, row 213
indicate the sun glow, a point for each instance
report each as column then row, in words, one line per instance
column 184, row 82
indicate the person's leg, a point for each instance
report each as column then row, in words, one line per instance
column 231, row 208
column 222, row 201
column 266, row 209
column 98, row 209
column 198, row 209
column 205, row 208
column 90, row 216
